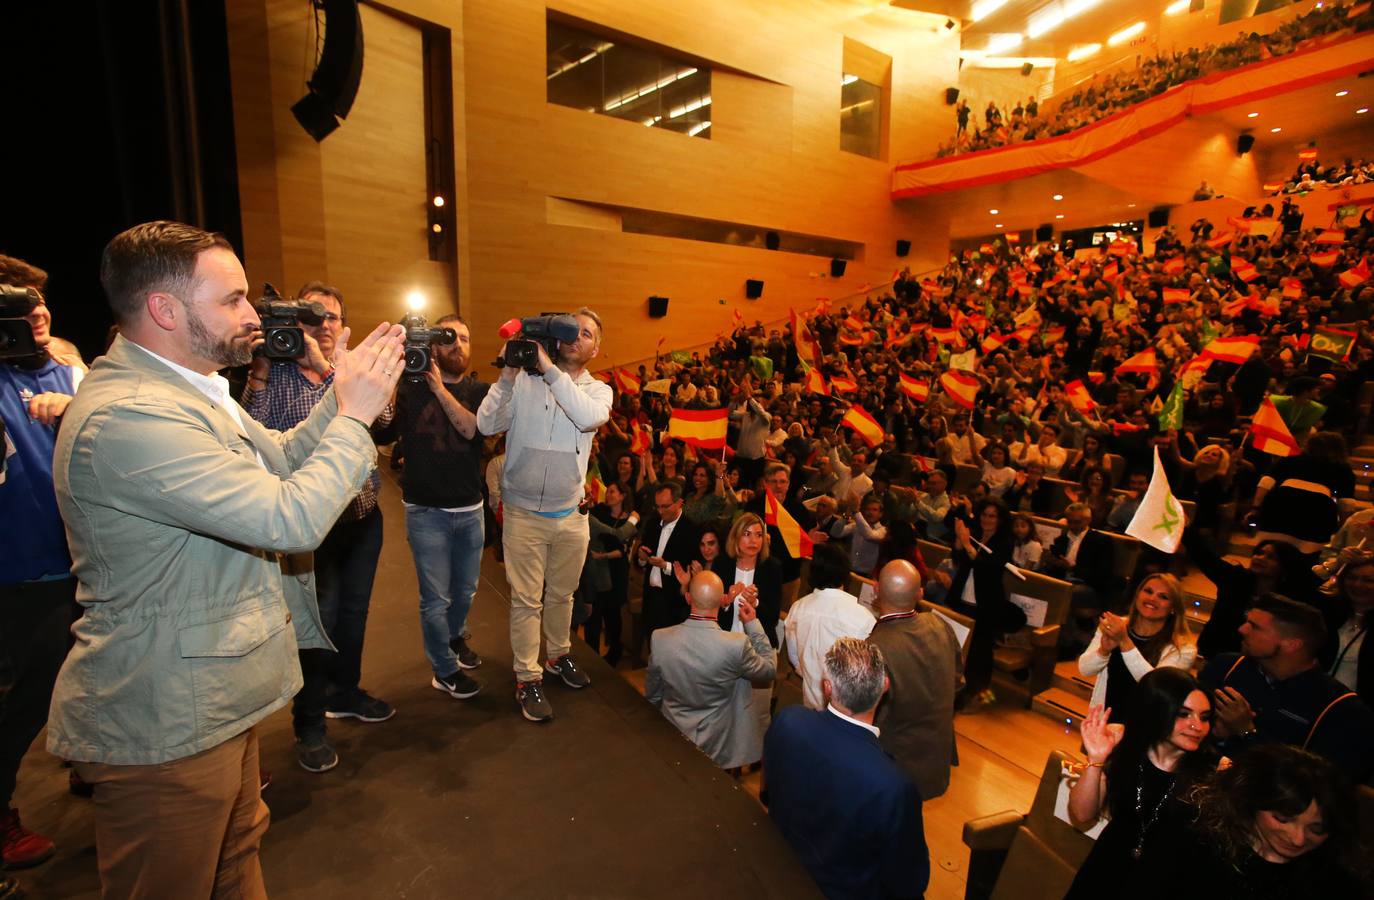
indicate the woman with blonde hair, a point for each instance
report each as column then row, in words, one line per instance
column 1206, row 481
column 1125, row 649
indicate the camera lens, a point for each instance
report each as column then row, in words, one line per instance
column 417, row 359
column 284, row 342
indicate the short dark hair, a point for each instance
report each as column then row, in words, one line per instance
column 16, row 272
column 319, row 287
column 154, row 256
column 451, row 317
column 673, row 487
column 1295, row 619
column 829, row 567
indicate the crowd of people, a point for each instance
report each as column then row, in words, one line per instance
column 1107, row 94
column 1311, row 175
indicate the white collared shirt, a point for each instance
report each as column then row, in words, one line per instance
column 853, row 721
column 214, row 386
column 745, row 577
column 813, row 625
column 656, row 574
column 1075, row 541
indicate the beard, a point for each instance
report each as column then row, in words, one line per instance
column 225, row 352
column 452, row 365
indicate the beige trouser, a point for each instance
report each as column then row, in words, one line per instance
column 544, row 560
column 189, row 828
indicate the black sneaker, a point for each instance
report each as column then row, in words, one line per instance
column 358, row 704
column 533, row 704
column 467, row 658
column 566, row 669
column 456, row 685
column 315, row 755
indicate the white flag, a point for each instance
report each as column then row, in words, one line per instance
column 967, row 361
column 659, row 386
column 1159, row 521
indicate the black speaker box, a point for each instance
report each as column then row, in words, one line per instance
column 837, row 268
column 334, row 84
column 753, row 288
column 1244, row 143
column 658, row 307
column 951, row 96
column 903, row 248
column 1026, row 68
column 771, row 240
column 1158, row 217
column 1044, row 233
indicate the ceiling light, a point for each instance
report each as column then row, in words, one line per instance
column 649, row 89
column 1275, row 130
column 848, row 80
column 1253, row 115
column 1362, row 110
column 1177, row 7
column 1341, row 93
column 992, row 212
column 1083, row 52
column 1002, row 42
column 1042, row 24
column 1130, row 206
column 1059, row 215
column 999, row 224
column 984, row 8
column 1125, row 34
column 1059, row 196
column 438, row 200
column 685, row 108
column 698, row 128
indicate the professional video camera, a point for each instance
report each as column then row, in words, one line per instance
column 282, row 335
column 16, row 336
column 420, row 341
column 547, row 330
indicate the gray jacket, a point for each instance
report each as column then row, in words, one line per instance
column 549, row 422
column 181, row 543
column 701, row 679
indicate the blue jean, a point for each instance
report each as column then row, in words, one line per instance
column 447, row 547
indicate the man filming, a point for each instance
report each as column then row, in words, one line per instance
column 549, row 419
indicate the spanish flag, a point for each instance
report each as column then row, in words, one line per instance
column 961, row 387
column 703, row 428
column 1173, row 265
column 1292, row 288
column 853, row 323
column 946, row 335
column 1232, row 349
column 625, row 382
column 1356, row 275
column 1143, row 363
column 643, row 439
column 853, row 340
column 807, row 348
column 1054, row 334
column 1111, row 272
column 1308, row 155
column 864, row 425
column 798, row 542
column 843, row 384
column 1268, row 432
column 1243, row 269
column 1325, row 260
column 1330, row 236
column 1177, row 295
column 1078, row 395
column 595, row 486
column 815, row 382
column 1221, row 240
column 993, row 341
column 916, row 390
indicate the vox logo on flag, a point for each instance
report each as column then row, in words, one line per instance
column 1331, row 343
column 1159, row 521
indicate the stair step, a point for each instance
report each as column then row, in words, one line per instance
column 1061, row 706
column 1067, row 678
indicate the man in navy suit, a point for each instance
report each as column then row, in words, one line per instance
column 851, row 814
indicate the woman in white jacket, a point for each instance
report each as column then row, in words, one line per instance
column 1127, row 648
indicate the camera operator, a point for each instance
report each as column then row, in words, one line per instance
column 549, row 420
column 281, row 394
column 442, row 489
column 37, row 590
column 181, row 510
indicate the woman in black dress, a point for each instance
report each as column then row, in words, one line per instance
column 609, row 553
column 1138, row 775
column 977, row 590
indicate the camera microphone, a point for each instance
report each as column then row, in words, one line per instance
column 510, row 329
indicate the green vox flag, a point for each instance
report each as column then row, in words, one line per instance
column 1171, row 416
column 763, row 367
column 1332, row 343
column 682, row 357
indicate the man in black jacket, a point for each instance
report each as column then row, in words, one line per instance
column 668, row 539
column 1082, row 557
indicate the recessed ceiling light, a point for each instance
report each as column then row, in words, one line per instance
column 992, row 212
column 999, row 224
column 1059, row 215
column 1176, row 7
column 1130, row 206
column 1059, row 196
column 1341, row 93
column 1125, row 34
column 1275, row 130
column 1083, row 52
column 1253, row 115
column 1362, row 110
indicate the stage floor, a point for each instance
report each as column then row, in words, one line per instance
column 467, row 799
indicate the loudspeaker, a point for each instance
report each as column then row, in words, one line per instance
column 334, row 84
column 1243, row 144
column 837, row 268
column 949, row 23
column 951, row 96
column 753, row 288
column 1044, row 233
column 658, row 307
column 903, row 248
column 1158, row 217
column 771, row 240
column 1026, row 68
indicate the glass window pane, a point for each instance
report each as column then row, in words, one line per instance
column 861, row 118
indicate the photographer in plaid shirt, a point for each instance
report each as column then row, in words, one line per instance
column 280, row 396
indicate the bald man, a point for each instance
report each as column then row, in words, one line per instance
column 702, row 678
column 916, row 716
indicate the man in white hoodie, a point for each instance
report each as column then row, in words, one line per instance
column 549, row 420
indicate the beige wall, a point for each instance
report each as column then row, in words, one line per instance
column 352, row 208
column 1007, row 87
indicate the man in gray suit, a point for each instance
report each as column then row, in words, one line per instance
column 916, row 717
column 701, row 677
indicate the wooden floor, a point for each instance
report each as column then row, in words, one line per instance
column 467, row 799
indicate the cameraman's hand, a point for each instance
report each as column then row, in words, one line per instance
column 364, row 378
column 543, row 361
column 433, row 379
column 314, row 356
column 48, row 407
column 508, row 373
column 261, row 365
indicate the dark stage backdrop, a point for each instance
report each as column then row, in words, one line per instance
column 115, row 112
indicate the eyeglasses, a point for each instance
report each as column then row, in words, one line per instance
column 331, row 317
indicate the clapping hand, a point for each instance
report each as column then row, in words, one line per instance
column 684, row 576
column 366, row 377
column 1233, row 713
column 1099, row 737
column 1113, row 628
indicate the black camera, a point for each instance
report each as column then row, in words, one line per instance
column 16, row 336
column 547, row 330
column 282, row 335
column 420, row 341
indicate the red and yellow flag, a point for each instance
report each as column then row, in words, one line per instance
column 807, row 348
column 704, row 428
column 1356, row 275
column 1173, row 265
column 625, row 382
column 1220, row 240
column 843, row 384
column 1330, row 236
column 1243, row 269
column 1269, row 434
column 815, row 383
column 798, row 542
column 1143, row 363
column 961, row 387
column 993, row 341
column 853, row 323
column 1177, row 295
column 916, row 390
column 1078, row 395
column 1111, row 272
column 1292, row 288
column 643, row 439
column 1307, row 155
column 1232, row 349
column 864, row 425
column 1325, row 260
column 946, row 335
column 1054, row 334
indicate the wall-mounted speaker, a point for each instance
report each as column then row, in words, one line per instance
column 903, row 248
column 1159, row 217
column 334, row 84
column 772, row 240
column 1026, row 68
column 658, row 307
column 951, row 96
column 837, row 268
column 753, row 288
column 1044, row 233
column 1243, row 144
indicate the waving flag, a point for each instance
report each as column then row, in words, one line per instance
column 1055, row 334
column 643, row 439
column 1078, row 395
column 595, row 486
column 1355, row 276
column 627, row 383
column 1143, row 363
column 1111, row 272
column 1243, row 269
column 1232, row 349
column 807, row 348
column 1292, row 288
column 1325, row 260
column 1330, row 236
column 1331, row 343
column 916, row 390
column 961, row 387
column 1159, row 521
column 1269, row 433
column 815, row 382
column 864, row 425
column 1173, row 265
column 1177, row 295
column 992, row 342
column 658, row 386
column 1220, row 240
column 853, row 323
column 946, row 335
column 843, row 384
column 1171, row 413
column 703, row 428
column 798, row 542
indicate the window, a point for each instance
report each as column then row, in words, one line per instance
column 613, row 78
column 861, row 117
